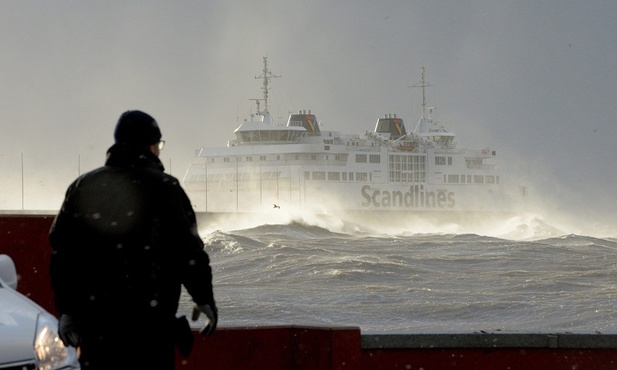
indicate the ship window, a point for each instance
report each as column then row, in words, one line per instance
column 374, row 158
column 449, row 161
column 307, row 175
column 249, row 159
column 490, row 179
column 360, row 158
column 344, row 176
column 462, row 179
column 319, row 175
column 313, row 157
column 478, row 179
column 440, row 161
column 407, row 168
column 251, row 136
column 262, row 157
column 453, row 179
column 361, row 176
column 476, row 163
column 334, row 176
column 351, row 176
column 326, row 147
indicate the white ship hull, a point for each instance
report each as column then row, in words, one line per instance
column 254, row 178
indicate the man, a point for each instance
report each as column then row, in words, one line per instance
column 123, row 243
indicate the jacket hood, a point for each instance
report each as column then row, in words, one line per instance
column 121, row 155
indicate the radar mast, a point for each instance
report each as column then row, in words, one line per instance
column 423, row 84
column 265, row 76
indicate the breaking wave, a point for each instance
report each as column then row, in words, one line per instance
column 518, row 274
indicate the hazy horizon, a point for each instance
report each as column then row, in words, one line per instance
column 535, row 81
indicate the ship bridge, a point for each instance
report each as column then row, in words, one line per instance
column 263, row 132
column 432, row 133
column 427, row 129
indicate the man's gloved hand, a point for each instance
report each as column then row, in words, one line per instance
column 67, row 331
column 211, row 314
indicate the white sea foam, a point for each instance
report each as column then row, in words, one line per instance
column 301, row 273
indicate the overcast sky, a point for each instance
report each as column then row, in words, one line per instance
column 534, row 80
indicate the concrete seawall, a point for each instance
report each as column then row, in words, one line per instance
column 24, row 238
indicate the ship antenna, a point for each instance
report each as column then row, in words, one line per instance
column 423, row 84
column 257, row 101
column 266, row 76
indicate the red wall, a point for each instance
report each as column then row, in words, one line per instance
column 276, row 348
column 490, row 358
column 24, row 238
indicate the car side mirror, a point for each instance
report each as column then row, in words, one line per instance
column 8, row 274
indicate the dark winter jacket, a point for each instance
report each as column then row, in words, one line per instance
column 125, row 241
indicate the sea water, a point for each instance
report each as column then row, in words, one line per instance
column 302, row 272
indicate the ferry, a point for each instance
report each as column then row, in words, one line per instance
column 299, row 166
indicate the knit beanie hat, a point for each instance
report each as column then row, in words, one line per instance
column 136, row 128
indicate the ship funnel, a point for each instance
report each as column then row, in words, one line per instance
column 306, row 120
column 391, row 125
